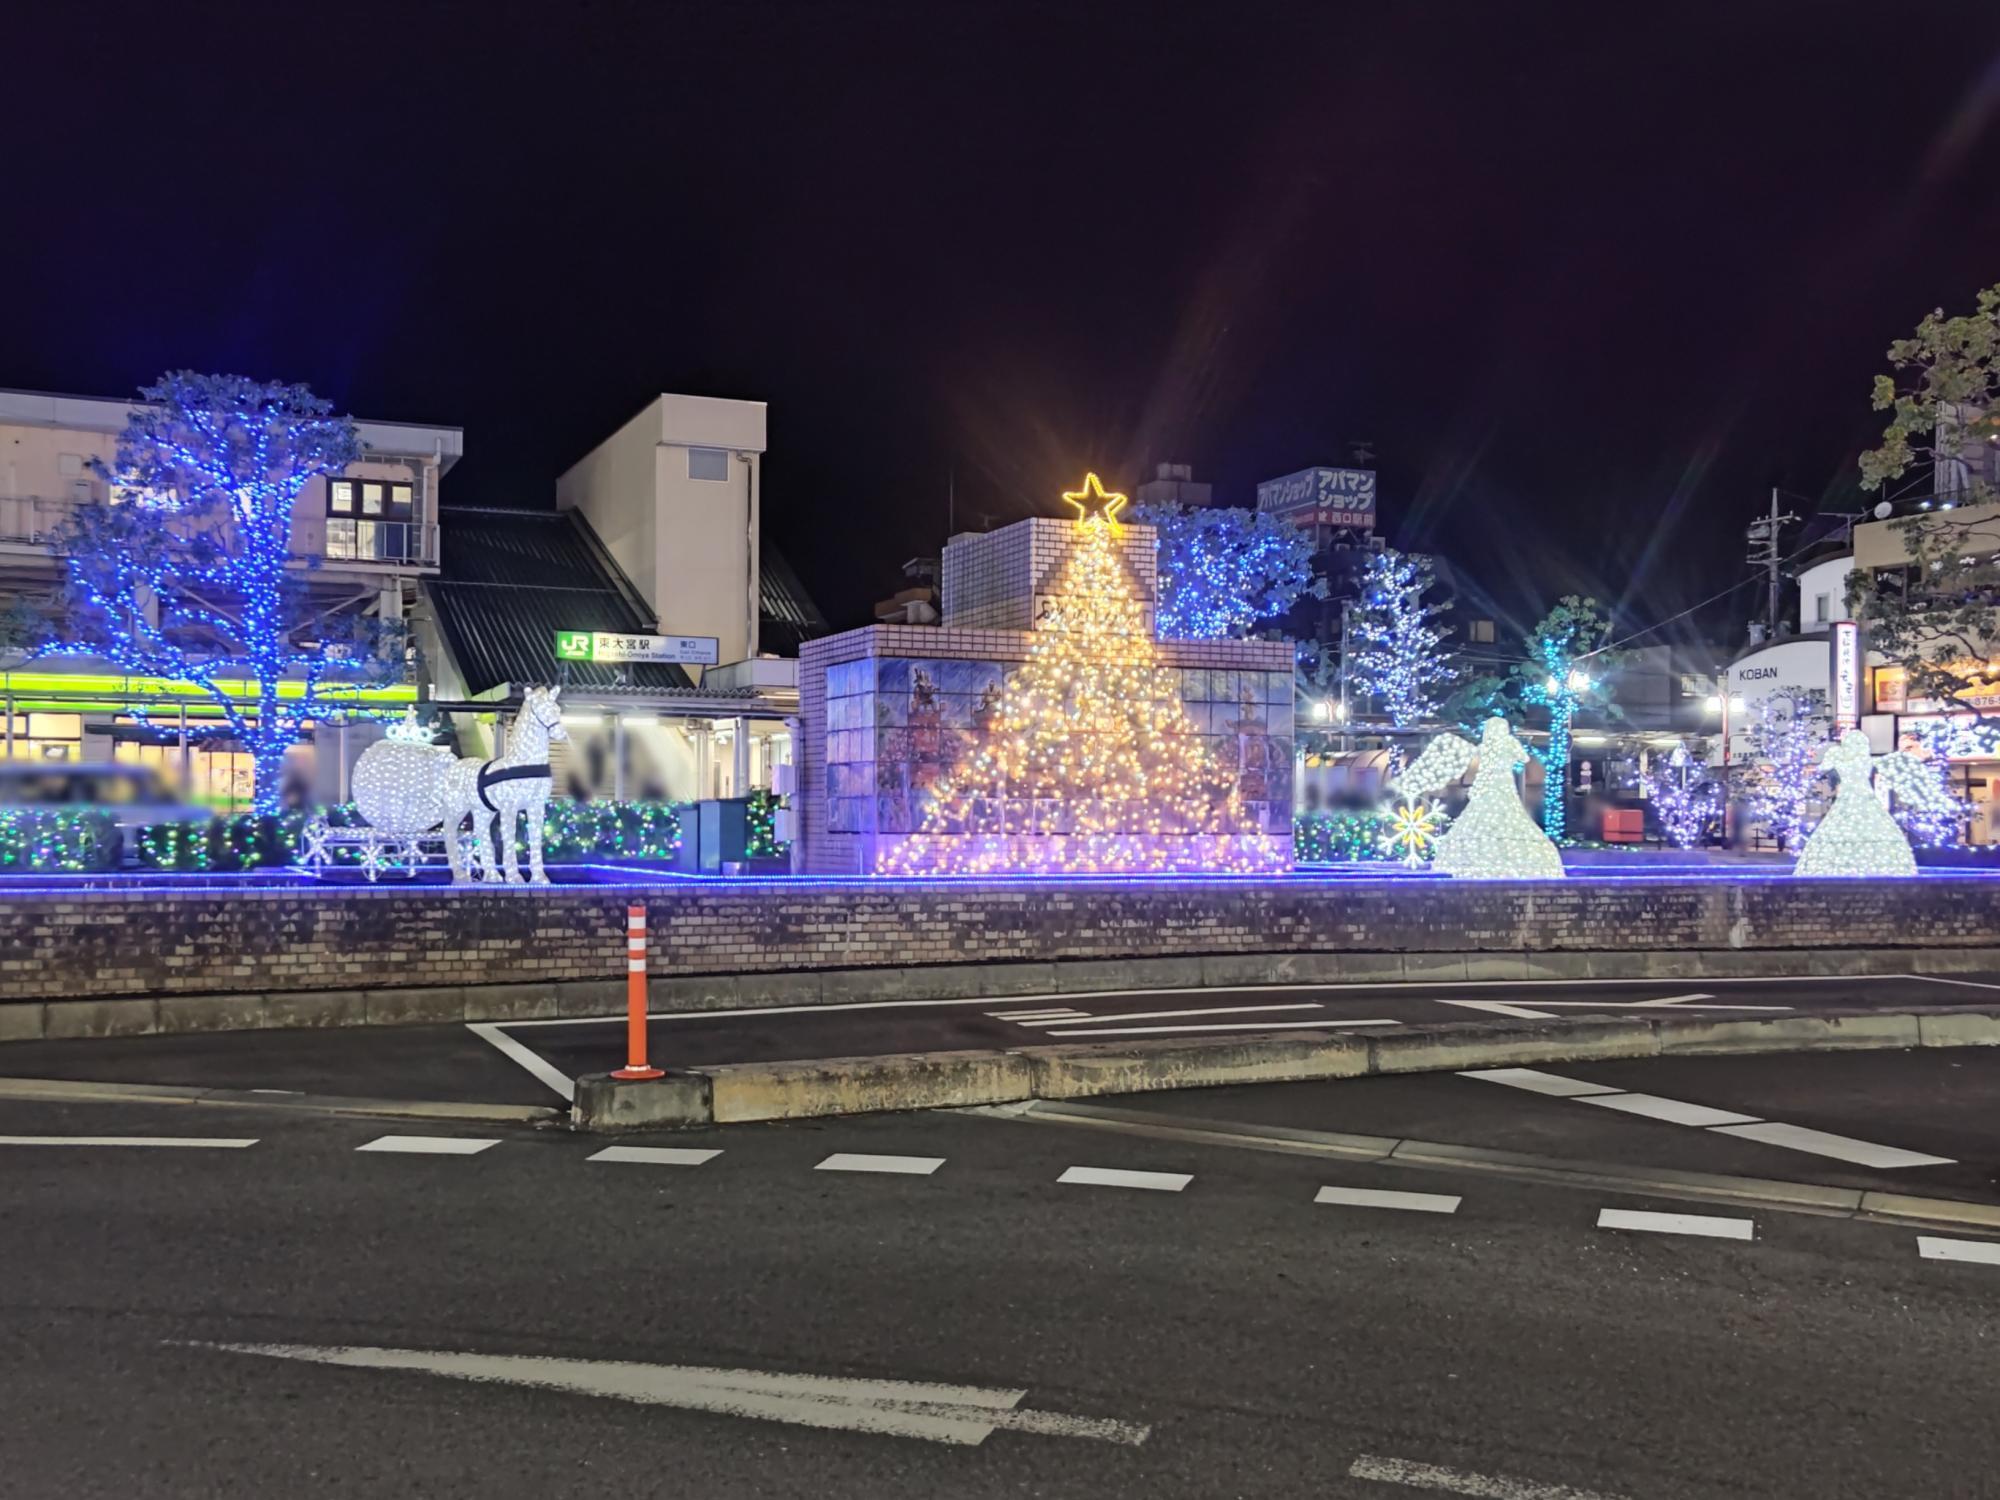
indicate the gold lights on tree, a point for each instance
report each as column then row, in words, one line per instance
column 1093, row 764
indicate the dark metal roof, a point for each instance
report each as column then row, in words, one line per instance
column 786, row 613
column 508, row 581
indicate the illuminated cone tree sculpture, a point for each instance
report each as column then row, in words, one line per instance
column 1093, row 764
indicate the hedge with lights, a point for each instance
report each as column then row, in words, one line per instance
column 56, row 841
column 574, row 832
column 761, row 841
column 1330, row 838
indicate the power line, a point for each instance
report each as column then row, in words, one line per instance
column 1713, row 598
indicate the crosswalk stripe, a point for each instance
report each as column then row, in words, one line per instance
column 1711, row 1226
column 429, row 1145
column 1159, row 1182
column 1419, row 1203
column 658, row 1156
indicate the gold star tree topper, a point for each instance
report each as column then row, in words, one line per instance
column 1094, row 500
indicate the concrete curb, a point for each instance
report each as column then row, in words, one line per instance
column 142, row 1015
column 72, row 1091
column 956, row 1080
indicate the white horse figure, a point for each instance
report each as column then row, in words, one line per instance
column 518, row 781
column 1494, row 838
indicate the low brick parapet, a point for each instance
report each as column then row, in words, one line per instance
column 66, row 947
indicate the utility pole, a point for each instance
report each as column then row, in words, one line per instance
column 1764, row 553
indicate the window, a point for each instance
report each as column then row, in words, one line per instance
column 708, row 463
column 368, row 520
column 1820, row 603
column 1479, row 632
column 369, row 497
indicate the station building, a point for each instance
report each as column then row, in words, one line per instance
column 656, row 532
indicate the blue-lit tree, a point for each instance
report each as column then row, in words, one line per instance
column 1778, row 770
column 1566, row 671
column 1398, row 658
column 1925, row 802
column 182, row 575
column 1688, row 814
column 1221, row 571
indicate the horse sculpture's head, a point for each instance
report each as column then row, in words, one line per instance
column 541, row 704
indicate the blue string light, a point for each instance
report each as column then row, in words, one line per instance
column 1222, row 570
column 183, row 575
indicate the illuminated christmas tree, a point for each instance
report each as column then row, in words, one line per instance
column 1092, row 763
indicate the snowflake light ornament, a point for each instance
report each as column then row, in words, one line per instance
column 1413, row 831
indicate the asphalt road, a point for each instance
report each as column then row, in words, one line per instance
column 1936, row 1102
column 1233, row 1337
column 456, row 1063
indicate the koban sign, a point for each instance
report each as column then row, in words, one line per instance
column 604, row 645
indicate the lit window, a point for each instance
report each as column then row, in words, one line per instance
column 399, row 497
column 371, row 499
column 708, row 463
column 1479, row 632
column 340, row 497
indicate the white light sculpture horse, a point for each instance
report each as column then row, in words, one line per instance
column 517, row 782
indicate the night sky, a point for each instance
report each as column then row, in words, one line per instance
column 1588, row 280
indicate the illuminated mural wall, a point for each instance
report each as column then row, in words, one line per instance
column 898, row 727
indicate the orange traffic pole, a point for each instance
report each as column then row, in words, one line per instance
column 635, row 998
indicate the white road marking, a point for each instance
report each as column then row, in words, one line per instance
column 1709, row 1225
column 659, row 1156
column 1409, row 989
column 1159, row 1182
column 1673, row 1111
column 1461, row 1482
column 1326, row 1025
column 1501, row 1008
column 211, row 1142
column 1062, row 1013
column 1978, row 1252
column 533, row 1061
column 1207, row 1010
column 861, row 1161
column 1553, row 1084
column 1839, row 1147
column 1971, row 984
column 960, row 1414
column 1716, row 1121
column 429, row 1145
column 1419, row 1203
column 1543, row 1010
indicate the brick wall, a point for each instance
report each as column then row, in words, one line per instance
column 119, row 943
